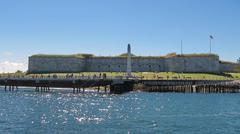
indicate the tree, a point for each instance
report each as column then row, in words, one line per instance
column 126, row 54
column 238, row 60
column 19, row 72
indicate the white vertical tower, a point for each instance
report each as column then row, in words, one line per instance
column 129, row 62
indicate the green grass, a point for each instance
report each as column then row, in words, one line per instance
column 183, row 76
column 235, row 75
column 144, row 75
column 162, row 75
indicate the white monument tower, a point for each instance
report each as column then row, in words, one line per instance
column 129, row 62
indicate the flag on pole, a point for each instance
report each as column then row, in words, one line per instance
column 211, row 37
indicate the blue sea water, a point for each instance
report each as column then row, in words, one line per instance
column 61, row 112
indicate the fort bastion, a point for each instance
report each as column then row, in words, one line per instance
column 187, row 63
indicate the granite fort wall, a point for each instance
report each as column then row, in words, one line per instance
column 229, row 67
column 194, row 64
column 54, row 65
column 104, row 64
column 208, row 64
column 119, row 64
column 150, row 64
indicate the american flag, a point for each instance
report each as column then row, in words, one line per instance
column 211, row 37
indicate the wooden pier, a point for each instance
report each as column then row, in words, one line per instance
column 119, row 86
column 192, row 86
column 77, row 85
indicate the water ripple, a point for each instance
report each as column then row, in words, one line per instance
column 137, row 112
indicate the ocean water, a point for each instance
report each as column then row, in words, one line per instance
column 61, row 112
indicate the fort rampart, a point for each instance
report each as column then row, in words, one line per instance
column 195, row 63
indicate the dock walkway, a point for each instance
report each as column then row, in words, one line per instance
column 118, row 86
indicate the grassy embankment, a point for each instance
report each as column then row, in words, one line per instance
column 144, row 75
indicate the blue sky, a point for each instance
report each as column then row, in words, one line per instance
column 105, row 27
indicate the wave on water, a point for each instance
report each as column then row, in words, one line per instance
column 61, row 111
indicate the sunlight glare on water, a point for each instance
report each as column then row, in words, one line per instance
column 137, row 112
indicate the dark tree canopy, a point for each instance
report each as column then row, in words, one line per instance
column 126, row 54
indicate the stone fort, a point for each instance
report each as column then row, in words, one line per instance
column 184, row 63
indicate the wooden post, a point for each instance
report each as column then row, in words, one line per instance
column 73, row 89
column 98, row 89
column 105, row 89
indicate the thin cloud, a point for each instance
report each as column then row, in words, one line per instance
column 8, row 66
column 7, row 54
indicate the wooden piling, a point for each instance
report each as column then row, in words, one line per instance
column 105, row 89
column 98, row 89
